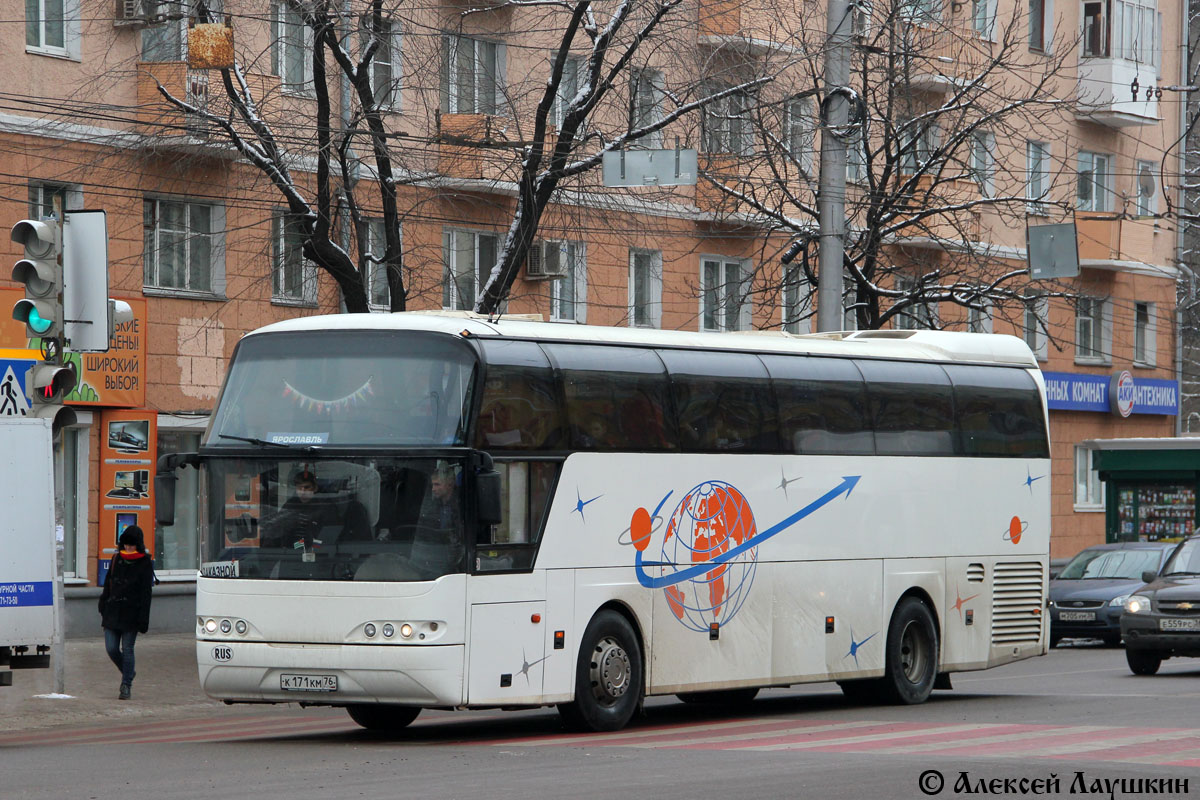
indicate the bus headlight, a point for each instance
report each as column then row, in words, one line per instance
column 210, row 625
column 406, row 630
column 1137, row 604
column 226, row 626
column 240, row 626
column 389, row 630
column 369, row 630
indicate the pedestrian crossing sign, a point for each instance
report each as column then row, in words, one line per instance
column 14, row 387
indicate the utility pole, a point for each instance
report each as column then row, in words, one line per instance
column 831, row 189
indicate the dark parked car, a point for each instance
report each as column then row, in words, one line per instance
column 1087, row 597
column 1162, row 620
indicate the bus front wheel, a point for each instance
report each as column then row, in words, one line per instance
column 608, row 676
column 911, row 658
column 381, row 717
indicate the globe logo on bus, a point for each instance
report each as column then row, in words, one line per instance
column 712, row 519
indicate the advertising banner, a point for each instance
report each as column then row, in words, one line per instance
column 113, row 379
column 128, row 446
column 1069, row 391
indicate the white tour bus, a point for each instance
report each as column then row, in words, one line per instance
column 412, row 511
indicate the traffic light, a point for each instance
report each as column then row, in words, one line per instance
column 40, row 271
column 49, row 385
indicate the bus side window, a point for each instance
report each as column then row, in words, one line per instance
column 998, row 412
column 616, row 398
column 519, row 408
column 525, row 496
column 822, row 405
column 911, row 406
column 724, row 402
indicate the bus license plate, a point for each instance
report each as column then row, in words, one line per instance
column 308, row 683
column 1179, row 624
column 1077, row 616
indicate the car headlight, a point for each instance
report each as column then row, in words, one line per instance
column 1137, row 604
column 1118, row 601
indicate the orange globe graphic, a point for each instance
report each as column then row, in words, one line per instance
column 1016, row 527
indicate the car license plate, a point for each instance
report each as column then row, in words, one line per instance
column 1077, row 616
column 308, row 683
column 1174, row 624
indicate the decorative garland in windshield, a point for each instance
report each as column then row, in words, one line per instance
column 328, row 406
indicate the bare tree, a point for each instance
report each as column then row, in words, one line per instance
column 933, row 95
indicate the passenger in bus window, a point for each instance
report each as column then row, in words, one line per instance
column 437, row 546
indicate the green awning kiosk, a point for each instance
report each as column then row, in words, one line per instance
column 1150, row 487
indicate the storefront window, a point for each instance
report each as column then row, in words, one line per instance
column 70, row 499
column 177, row 547
column 1156, row 512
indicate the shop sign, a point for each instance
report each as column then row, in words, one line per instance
column 128, row 445
column 1120, row 393
column 116, row 379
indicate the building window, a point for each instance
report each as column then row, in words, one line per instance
column 74, row 455
column 167, row 40
column 1089, row 489
column 916, row 316
column 920, row 11
column 385, row 64
column 52, row 27
column 645, row 288
column 1095, row 29
column 1147, row 189
column 646, row 104
column 568, row 87
column 725, row 126
column 799, row 131
column 472, row 75
column 1037, row 177
column 797, row 301
column 1094, row 182
column 293, row 277
column 43, row 193
column 1037, row 25
column 291, row 50
column 177, row 546
column 979, row 318
column 568, row 294
column 724, row 285
column 469, row 258
column 1136, row 32
column 1037, row 311
column 1144, row 344
column 379, row 295
column 983, row 17
column 982, row 161
column 917, row 142
column 1089, row 329
column 180, row 245
column 856, row 159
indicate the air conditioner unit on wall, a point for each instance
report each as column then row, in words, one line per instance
column 545, row 261
column 137, row 13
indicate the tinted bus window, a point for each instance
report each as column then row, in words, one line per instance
column 519, row 409
column 822, row 405
column 723, row 401
column 616, row 398
column 999, row 412
column 911, row 406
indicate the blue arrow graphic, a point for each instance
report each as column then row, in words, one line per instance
column 847, row 485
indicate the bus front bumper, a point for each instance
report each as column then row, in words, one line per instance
column 419, row 675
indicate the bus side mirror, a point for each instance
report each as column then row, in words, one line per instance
column 487, row 497
column 164, row 498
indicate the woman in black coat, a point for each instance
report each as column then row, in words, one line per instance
column 125, row 603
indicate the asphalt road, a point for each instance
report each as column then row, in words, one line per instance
column 1078, row 710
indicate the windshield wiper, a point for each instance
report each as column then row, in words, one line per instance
column 308, row 448
column 1168, row 574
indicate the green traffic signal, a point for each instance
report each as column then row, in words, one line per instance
column 35, row 322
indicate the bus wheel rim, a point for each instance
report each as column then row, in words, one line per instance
column 610, row 671
column 913, row 655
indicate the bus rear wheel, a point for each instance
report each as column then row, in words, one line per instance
column 911, row 662
column 722, row 697
column 608, row 676
column 382, row 717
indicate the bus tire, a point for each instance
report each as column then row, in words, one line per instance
column 911, row 658
column 608, row 676
column 382, row 717
column 1143, row 662
column 720, row 697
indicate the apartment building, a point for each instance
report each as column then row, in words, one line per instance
column 107, row 108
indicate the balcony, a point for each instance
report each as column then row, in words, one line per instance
column 164, row 127
column 1108, row 241
column 1106, row 95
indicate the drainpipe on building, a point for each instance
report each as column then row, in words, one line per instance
column 1180, row 243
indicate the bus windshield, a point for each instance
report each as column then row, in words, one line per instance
column 374, row 519
column 379, row 388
